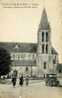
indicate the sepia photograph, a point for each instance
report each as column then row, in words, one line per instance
column 30, row 49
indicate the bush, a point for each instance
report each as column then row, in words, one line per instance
column 5, row 61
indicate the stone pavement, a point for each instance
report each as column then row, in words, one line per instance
column 33, row 90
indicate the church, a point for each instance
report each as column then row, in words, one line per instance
column 37, row 58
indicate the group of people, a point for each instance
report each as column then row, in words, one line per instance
column 21, row 79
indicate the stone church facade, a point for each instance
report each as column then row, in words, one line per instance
column 47, row 57
column 40, row 58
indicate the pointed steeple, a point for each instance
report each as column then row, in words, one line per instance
column 44, row 24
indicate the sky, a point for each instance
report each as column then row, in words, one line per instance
column 21, row 24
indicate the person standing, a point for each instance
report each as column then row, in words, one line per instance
column 14, row 81
column 27, row 80
column 21, row 80
column 14, row 78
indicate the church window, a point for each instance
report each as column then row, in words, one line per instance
column 22, row 56
column 26, row 68
column 42, row 36
column 18, row 57
column 43, row 48
column 33, row 56
column 60, row 71
column 12, row 57
column 54, row 61
column 46, row 36
column 44, row 65
column 52, row 51
column 46, row 48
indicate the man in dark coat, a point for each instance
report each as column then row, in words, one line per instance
column 21, row 80
column 14, row 78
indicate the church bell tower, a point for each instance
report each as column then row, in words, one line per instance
column 44, row 43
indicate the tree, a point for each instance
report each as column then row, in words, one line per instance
column 5, row 61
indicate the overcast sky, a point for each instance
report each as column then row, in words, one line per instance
column 21, row 24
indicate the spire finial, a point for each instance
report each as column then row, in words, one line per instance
column 44, row 23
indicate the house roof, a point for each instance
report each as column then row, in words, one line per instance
column 20, row 47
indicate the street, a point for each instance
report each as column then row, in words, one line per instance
column 33, row 90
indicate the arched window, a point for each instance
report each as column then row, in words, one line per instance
column 46, row 36
column 42, row 36
column 46, row 48
column 44, row 65
column 60, row 71
column 43, row 48
column 54, row 62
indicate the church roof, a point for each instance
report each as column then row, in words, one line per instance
column 20, row 47
column 44, row 24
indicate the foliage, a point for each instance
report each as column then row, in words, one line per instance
column 5, row 61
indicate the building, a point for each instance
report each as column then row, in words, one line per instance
column 39, row 58
column 47, row 57
column 59, row 70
